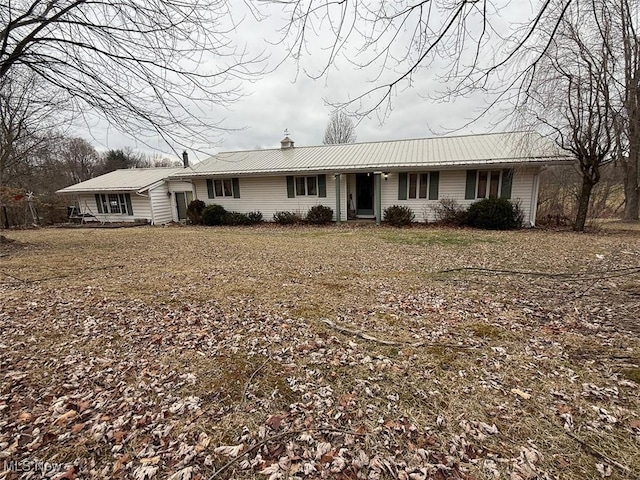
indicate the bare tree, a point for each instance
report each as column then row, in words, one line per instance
column 466, row 44
column 80, row 159
column 570, row 96
column 27, row 119
column 145, row 65
column 620, row 31
column 340, row 129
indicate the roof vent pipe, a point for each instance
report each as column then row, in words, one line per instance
column 185, row 159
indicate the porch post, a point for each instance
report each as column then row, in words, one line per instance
column 337, row 180
column 377, row 195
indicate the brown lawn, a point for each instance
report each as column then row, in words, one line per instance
column 334, row 352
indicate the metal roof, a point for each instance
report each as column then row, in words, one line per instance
column 512, row 148
column 131, row 179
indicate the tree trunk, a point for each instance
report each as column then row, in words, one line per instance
column 631, row 192
column 583, row 204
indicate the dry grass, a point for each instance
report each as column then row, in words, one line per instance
column 171, row 342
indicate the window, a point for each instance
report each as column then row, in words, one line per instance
column 223, row 187
column 218, row 185
column 114, row 203
column 418, row 185
column 488, row 183
column 301, row 186
column 306, row 186
column 314, row 186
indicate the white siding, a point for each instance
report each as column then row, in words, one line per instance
column 452, row 185
column 140, row 204
column 161, row 204
column 269, row 195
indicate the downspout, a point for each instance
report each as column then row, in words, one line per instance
column 377, row 195
column 533, row 210
column 337, row 180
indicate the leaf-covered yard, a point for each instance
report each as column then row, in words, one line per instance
column 338, row 352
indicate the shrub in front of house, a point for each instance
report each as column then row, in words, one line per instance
column 254, row 217
column 213, row 215
column 495, row 214
column 194, row 212
column 320, row 215
column 398, row 215
column 287, row 218
column 449, row 212
column 235, row 218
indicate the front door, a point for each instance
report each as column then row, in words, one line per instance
column 182, row 201
column 364, row 194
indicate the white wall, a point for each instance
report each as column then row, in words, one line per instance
column 269, row 195
column 161, row 204
column 140, row 204
column 452, row 185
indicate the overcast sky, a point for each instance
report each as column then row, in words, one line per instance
column 288, row 100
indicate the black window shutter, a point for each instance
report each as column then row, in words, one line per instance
column 210, row 188
column 470, row 190
column 507, row 183
column 291, row 191
column 236, row 187
column 322, row 185
column 98, row 203
column 402, row 186
column 127, row 198
column 434, row 185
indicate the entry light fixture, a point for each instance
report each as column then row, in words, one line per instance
column 168, row 194
column 386, row 176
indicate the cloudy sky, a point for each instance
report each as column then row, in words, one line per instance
column 288, row 98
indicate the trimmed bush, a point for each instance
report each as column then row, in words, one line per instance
column 213, row 215
column 254, row 217
column 194, row 211
column 320, row 215
column 495, row 214
column 287, row 218
column 398, row 215
column 235, row 218
column 449, row 212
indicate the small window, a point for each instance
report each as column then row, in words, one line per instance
column 418, row 185
column 413, row 184
column 312, row 185
column 123, row 203
column 217, row 184
column 424, row 184
column 482, row 184
column 489, row 183
column 300, row 186
column 494, row 184
column 228, row 187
